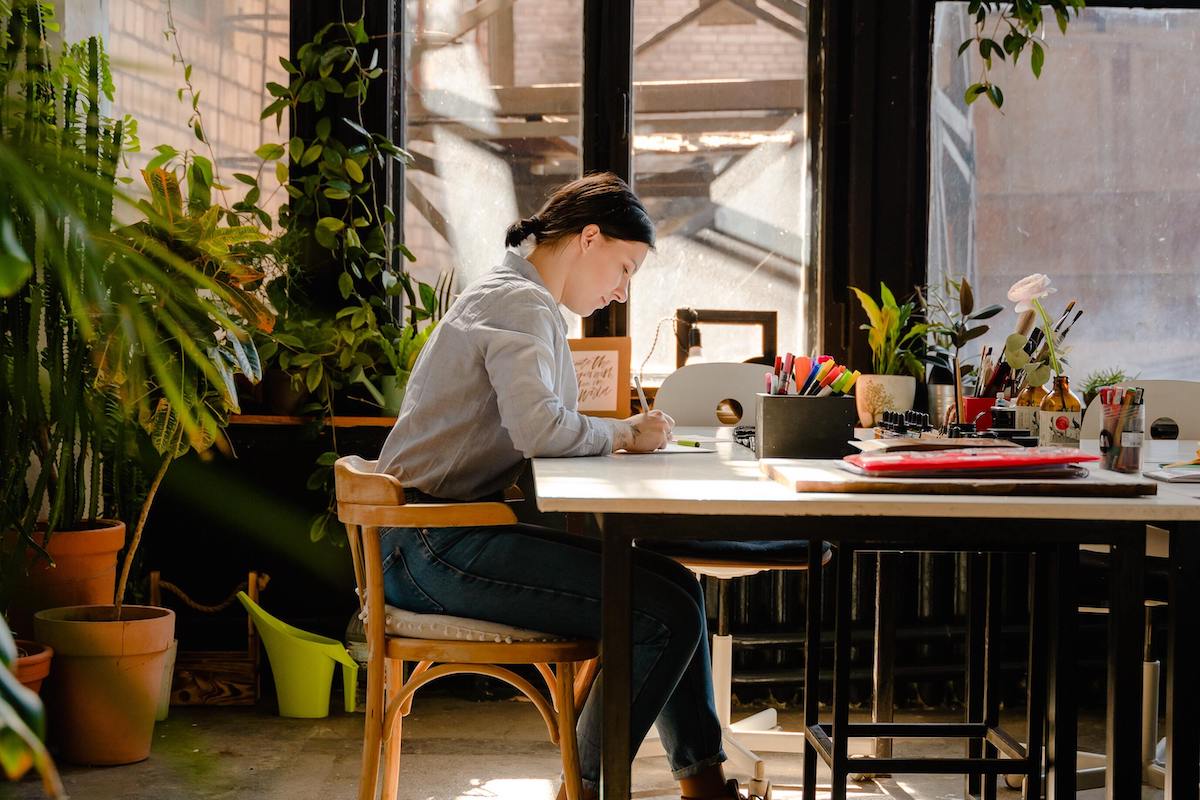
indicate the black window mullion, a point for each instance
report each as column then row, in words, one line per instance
column 607, row 117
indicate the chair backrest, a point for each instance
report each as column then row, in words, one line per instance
column 356, row 481
column 1166, row 401
column 694, row 394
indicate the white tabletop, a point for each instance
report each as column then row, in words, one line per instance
column 730, row 482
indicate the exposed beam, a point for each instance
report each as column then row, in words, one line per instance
column 477, row 14
column 669, row 31
column 655, row 97
column 750, row 7
column 427, row 210
column 794, row 9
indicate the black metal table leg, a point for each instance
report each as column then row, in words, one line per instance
column 1062, row 698
column 1035, row 698
column 812, row 668
column 992, row 640
column 1183, row 665
column 883, row 673
column 976, row 624
column 1125, row 635
column 844, row 564
column 616, row 649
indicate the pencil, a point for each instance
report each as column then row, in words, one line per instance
column 641, row 395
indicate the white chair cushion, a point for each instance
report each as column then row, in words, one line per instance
column 412, row 625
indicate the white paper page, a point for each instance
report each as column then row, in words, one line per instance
column 671, row 448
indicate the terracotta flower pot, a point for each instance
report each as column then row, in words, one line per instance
column 33, row 663
column 84, row 572
column 103, row 694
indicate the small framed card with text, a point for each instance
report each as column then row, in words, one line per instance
column 602, row 366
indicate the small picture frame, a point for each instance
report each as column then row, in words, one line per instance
column 602, row 367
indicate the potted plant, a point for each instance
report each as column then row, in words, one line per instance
column 58, row 165
column 22, row 724
column 952, row 323
column 894, row 337
column 343, row 294
column 32, row 664
column 109, row 664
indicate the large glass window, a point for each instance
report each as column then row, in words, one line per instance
column 493, row 123
column 720, row 160
column 1090, row 175
column 233, row 47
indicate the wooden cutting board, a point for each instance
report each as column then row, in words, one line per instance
column 816, row 475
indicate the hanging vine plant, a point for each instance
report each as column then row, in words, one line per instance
column 1022, row 24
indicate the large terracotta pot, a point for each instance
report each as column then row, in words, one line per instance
column 33, row 664
column 875, row 394
column 103, row 694
column 84, row 572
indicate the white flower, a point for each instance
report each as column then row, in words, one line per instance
column 1030, row 288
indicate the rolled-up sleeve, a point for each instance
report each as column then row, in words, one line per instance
column 517, row 339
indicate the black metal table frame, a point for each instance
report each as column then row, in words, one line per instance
column 1056, row 544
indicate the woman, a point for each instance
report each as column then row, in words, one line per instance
column 494, row 386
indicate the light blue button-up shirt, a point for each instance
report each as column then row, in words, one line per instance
column 493, row 386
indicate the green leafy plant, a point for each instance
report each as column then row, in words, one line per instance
column 1020, row 21
column 204, row 355
column 953, row 321
column 82, row 310
column 22, row 724
column 893, row 333
column 1098, row 379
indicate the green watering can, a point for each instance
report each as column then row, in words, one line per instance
column 302, row 664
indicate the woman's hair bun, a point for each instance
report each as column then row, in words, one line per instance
column 519, row 231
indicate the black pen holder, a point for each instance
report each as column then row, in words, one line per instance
column 796, row 426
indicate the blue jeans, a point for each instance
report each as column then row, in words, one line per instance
column 549, row 581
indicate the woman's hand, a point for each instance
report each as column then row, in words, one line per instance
column 643, row 433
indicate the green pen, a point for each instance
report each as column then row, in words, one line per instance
column 687, row 443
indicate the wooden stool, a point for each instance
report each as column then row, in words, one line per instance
column 366, row 502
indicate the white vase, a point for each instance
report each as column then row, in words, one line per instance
column 875, row 394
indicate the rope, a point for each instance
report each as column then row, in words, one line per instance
column 224, row 604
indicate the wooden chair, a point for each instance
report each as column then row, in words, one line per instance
column 366, row 503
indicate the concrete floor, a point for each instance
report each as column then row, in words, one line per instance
column 453, row 750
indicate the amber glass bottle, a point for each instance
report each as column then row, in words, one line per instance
column 1060, row 415
column 1028, row 402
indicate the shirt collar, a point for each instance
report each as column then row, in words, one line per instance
column 523, row 267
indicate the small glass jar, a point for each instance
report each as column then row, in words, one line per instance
column 1121, row 434
column 1028, row 402
column 1060, row 416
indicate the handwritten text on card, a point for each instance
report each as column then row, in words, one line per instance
column 597, row 372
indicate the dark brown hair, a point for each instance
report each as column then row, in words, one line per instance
column 602, row 199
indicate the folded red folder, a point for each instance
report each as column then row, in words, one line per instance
column 967, row 460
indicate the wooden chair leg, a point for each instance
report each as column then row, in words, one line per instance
column 566, row 731
column 392, row 738
column 368, row 779
column 584, row 679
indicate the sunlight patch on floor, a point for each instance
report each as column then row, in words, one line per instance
column 509, row 789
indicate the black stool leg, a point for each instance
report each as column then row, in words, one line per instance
column 883, row 674
column 1062, row 712
column 991, row 663
column 812, row 668
column 841, row 672
column 1035, row 698
column 976, row 626
column 1183, row 664
column 1126, row 601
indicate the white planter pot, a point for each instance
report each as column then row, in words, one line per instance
column 875, row 394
